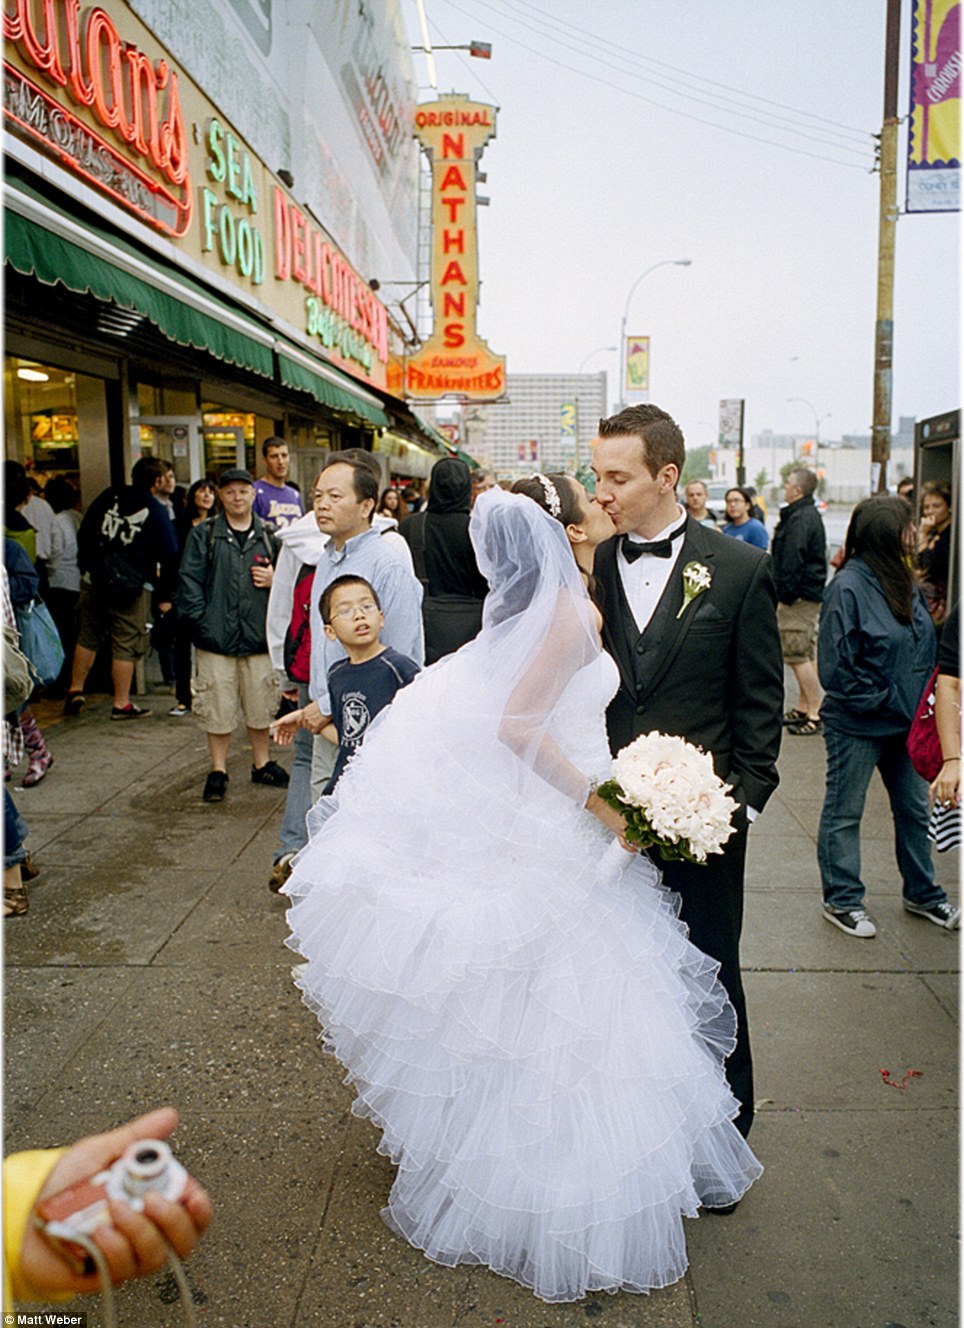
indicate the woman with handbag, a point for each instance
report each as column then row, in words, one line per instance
column 41, row 645
column 876, row 651
column 17, row 686
column 945, row 790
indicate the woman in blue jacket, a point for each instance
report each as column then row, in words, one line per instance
column 876, row 652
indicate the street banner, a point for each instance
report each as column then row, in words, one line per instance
column 637, row 365
column 567, row 420
column 731, row 422
column 934, row 135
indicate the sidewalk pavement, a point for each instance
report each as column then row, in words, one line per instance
column 151, row 969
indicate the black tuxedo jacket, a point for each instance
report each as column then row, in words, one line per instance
column 713, row 675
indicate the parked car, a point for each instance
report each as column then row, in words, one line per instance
column 716, row 497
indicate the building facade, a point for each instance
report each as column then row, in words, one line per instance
column 200, row 199
column 546, row 423
column 843, row 464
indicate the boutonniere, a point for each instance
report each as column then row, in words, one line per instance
column 696, row 579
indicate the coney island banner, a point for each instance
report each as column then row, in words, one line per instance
column 934, row 135
column 455, row 361
column 637, row 365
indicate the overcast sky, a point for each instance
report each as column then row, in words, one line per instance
column 599, row 170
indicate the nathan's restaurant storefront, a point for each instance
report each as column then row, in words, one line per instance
column 164, row 292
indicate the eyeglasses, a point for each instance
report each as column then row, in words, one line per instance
column 366, row 607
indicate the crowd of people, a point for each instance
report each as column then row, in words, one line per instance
column 507, row 645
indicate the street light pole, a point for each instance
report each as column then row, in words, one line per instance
column 598, row 351
column 817, row 418
column 577, row 455
column 666, row 262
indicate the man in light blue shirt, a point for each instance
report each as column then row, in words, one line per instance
column 344, row 499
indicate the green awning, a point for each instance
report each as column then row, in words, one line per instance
column 326, row 390
column 34, row 250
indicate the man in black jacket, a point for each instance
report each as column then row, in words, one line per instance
column 222, row 594
column 706, row 668
column 125, row 543
column 799, row 552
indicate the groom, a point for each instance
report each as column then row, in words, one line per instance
column 705, row 666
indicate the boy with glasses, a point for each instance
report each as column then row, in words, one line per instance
column 362, row 685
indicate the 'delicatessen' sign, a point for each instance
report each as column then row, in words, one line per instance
column 92, row 88
column 455, row 361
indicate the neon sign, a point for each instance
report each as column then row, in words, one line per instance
column 455, row 360
column 340, row 308
column 133, row 97
column 239, row 242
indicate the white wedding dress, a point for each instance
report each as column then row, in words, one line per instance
column 516, row 1002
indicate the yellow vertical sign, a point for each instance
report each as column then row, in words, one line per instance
column 637, row 365
column 455, row 361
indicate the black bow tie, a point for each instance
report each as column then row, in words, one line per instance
column 659, row 548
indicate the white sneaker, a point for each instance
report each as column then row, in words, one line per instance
column 853, row 921
column 942, row 915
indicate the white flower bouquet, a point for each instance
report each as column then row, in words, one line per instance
column 672, row 798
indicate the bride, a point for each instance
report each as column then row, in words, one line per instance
column 518, row 1007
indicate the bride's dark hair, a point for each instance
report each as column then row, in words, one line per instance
column 570, row 508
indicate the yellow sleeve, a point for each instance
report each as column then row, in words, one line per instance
column 23, row 1178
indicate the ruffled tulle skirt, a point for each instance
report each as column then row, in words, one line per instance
column 523, row 1017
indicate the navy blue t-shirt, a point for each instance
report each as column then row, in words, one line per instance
column 357, row 693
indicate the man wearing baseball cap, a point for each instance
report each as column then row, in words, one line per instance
column 226, row 574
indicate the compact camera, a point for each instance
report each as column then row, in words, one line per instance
column 148, row 1165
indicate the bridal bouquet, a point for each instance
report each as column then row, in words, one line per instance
column 671, row 797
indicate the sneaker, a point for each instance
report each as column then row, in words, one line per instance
column 40, row 763
column 74, row 703
column 854, row 921
column 130, row 711
column 178, row 711
column 280, row 872
column 942, row 915
column 215, row 786
column 270, row 773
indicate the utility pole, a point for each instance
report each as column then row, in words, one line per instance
column 887, row 235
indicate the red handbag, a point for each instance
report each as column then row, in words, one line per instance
column 923, row 744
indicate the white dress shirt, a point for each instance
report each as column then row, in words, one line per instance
column 645, row 579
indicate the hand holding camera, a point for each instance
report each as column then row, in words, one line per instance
column 124, row 1191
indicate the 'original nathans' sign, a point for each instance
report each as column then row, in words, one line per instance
column 126, row 133
column 455, row 361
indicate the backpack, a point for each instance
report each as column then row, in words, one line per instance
column 266, row 539
column 297, row 647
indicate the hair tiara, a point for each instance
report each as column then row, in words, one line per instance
column 551, row 493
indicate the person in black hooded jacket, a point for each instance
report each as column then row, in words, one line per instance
column 445, row 561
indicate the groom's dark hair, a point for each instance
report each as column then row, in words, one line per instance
column 660, row 435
